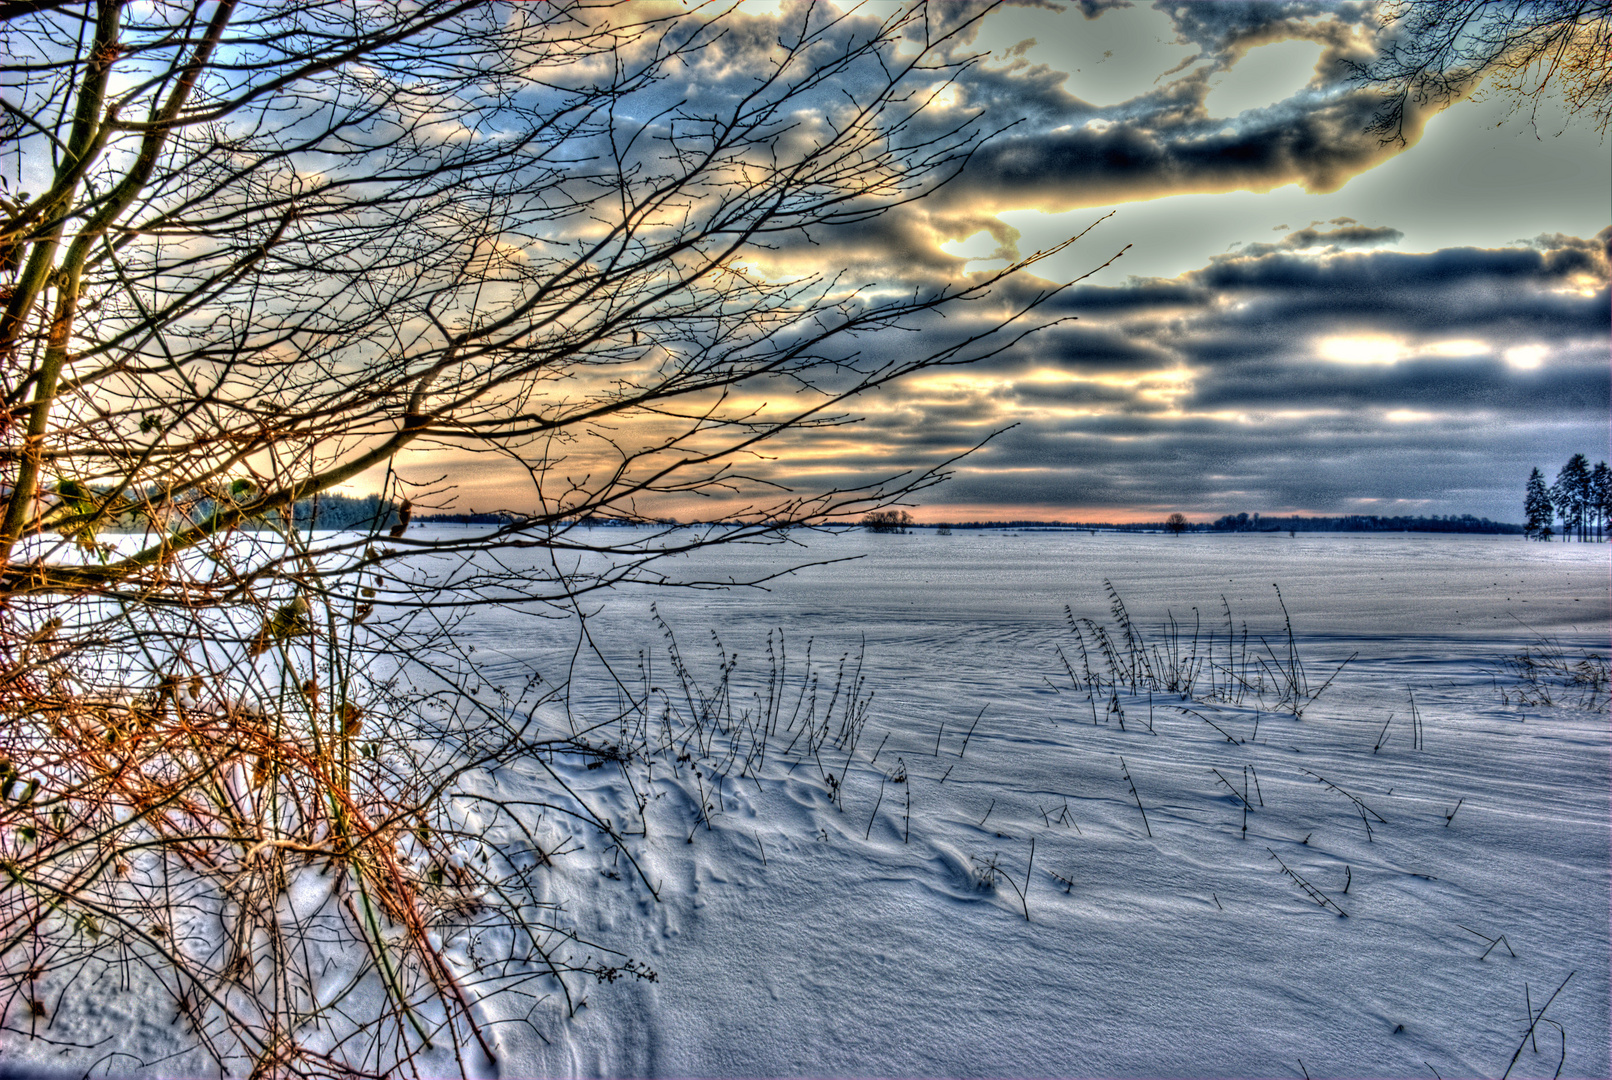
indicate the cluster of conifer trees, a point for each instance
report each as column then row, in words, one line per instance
column 1581, row 498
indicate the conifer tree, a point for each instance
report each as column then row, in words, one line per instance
column 1601, row 497
column 1537, row 505
column 1571, row 494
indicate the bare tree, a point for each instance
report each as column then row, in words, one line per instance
column 276, row 248
column 279, row 248
column 1437, row 53
column 1177, row 523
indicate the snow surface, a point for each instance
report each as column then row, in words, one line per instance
column 876, row 926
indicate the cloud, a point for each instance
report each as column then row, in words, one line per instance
column 1315, row 371
column 1171, row 149
column 1230, row 387
column 1091, row 9
column 1319, row 371
column 1067, row 152
column 1484, row 383
column 1347, row 236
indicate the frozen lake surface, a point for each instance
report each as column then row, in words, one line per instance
column 805, row 932
column 1348, row 853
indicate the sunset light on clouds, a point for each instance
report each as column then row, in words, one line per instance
column 1305, row 318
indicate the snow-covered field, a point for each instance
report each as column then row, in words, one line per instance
column 1005, row 858
column 794, row 937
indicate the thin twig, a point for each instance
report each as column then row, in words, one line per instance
column 971, row 728
column 1533, row 1022
column 1315, row 894
column 1137, row 797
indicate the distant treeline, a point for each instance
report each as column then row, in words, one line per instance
column 1464, row 523
column 96, row 509
column 331, row 511
column 465, row 519
column 325, row 511
column 103, row 509
column 342, row 512
column 1023, row 524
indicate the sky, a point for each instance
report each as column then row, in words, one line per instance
column 1269, row 309
column 1303, row 320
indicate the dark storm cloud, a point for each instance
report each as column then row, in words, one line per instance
column 1068, row 152
column 1140, row 295
column 1380, row 272
column 1319, row 147
column 1352, row 235
column 1080, row 348
column 1437, row 310
column 1506, row 292
column 1093, row 8
column 1219, row 27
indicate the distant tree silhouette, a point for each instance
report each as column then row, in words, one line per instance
column 1176, row 523
column 1234, row 523
column 1571, row 494
column 887, row 521
column 1537, row 506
